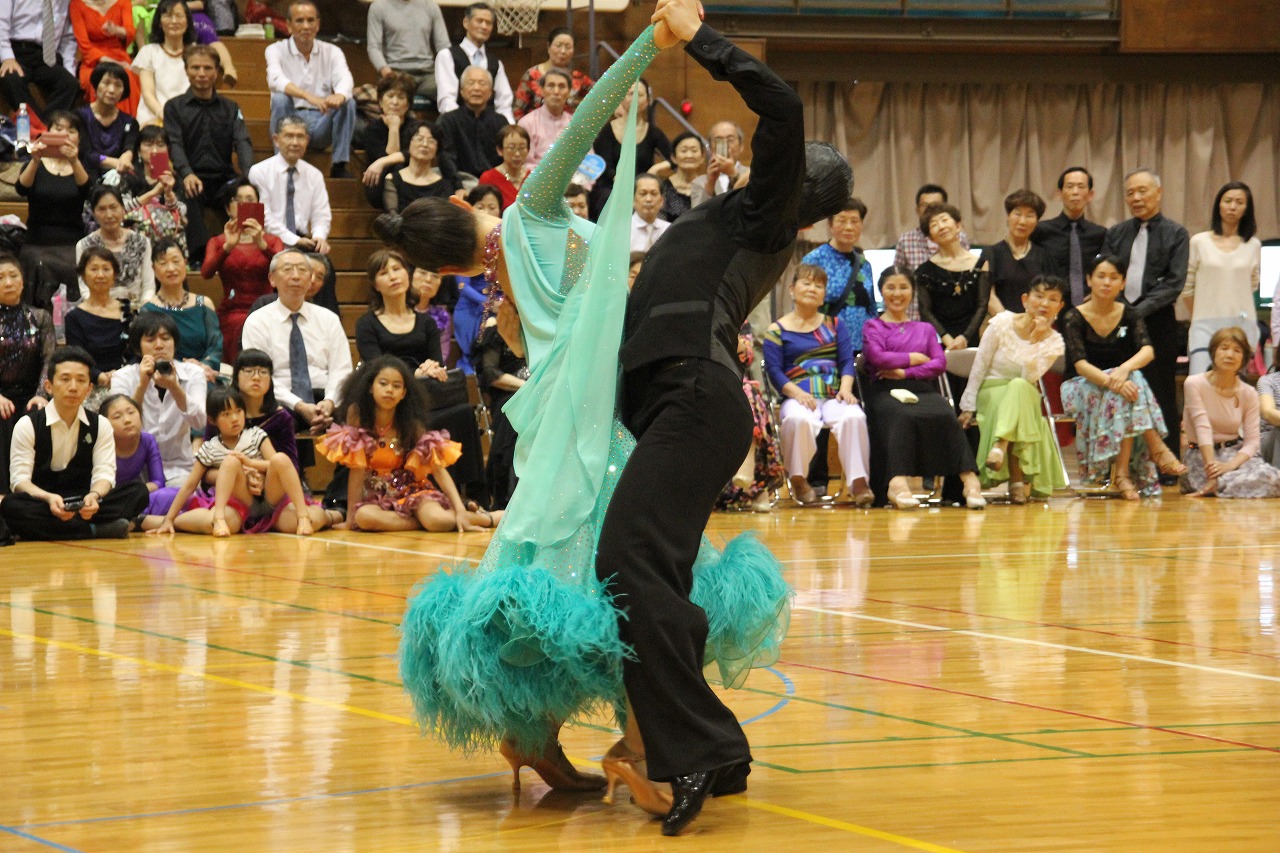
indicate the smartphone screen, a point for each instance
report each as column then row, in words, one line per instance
column 250, row 210
column 721, row 147
column 159, row 162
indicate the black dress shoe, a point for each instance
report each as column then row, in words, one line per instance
column 731, row 779
column 687, row 795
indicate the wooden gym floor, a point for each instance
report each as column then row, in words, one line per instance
column 1077, row 676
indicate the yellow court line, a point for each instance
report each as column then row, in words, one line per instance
column 842, row 825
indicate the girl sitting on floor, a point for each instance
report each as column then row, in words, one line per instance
column 393, row 457
column 137, row 454
column 256, row 489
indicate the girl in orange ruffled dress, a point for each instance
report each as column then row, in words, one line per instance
column 394, row 458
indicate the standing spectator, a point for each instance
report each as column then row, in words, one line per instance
column 427, row 175
column 55, row 184
column 385, row 140
column 199, row 340
column 470, row 134
column 914, row 247
column 1157, row 250
column 725, row 171
column 545, row 122
column 682, row 190
column 405, row 36
column 239, row 256
column 1015, row 261
column 134, row 280
column 646, row 227
column 849, row 293
column 63, row 455
column 310, row 79
column 111, row 133
column 477, row 22
column 162, row 74
column 1269, row 411
column 1071, row 240
column 100, row 323
column 1224, row 270
column 151, row 203
column 104, row 31
column 205, row 129
column 508, row 176
column 652, row 146
column 26, row 343
column 293, row 191
column 26, row 58
column 531, row 93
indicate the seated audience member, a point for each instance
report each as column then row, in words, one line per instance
column 428, row 174
column 436, row 297
column 404, row 37
column 137, row 454
column 578, row 200
column 470, row 133
column 1269, row 411
column 646, row 227
column 394, row 458
column 309, row 79
column 724, row 170
column 849, row 294
column 199, row 340
column 683, row 188
column 1119, row 425
column 1016, row 260
column 1070, row 239
column 152, row 205
column 62, row 465
column 915, row 246
column 653, row 149
column 1224, row 271
column 205, row 130
column 548, row 120
column 1221, row 418
column 256, row 488
column 162, row 75
column 171, row 416
column 306, row 343
column 104, row 32
column 26, row 343
column 251, row 376
column 99, row 325
column 55, row 185
column 322, row 292
column 762, row 471
column 508, row 176
column 135, row 280
column 24, row 61
column 500, row 373
column 392, row 327
column 385, row 140
column 473, row 291
column 239, row 256
column 471, row 52
column 809, row 360
column 532, row 91
column 293, row 191
column 111, row 131
column 1003, row 396
column 914, row 432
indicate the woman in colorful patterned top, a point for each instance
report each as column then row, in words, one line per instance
column 849, row 293
column 528, row 96
column 809, row 359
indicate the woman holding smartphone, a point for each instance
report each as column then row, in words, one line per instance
column 240, row 255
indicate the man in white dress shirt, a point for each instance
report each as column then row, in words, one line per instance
column 310, row 79
column 307, row 344
column 293, row 193
column 646, row 227
column 478, row 24
column 31, row 53
column 547, row 122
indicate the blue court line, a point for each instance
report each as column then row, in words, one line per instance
column 788, row 687
column 46, row 842
column 251, row 805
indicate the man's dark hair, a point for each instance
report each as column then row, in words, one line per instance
column 478, row 7
column 148, row 324
column 932, row 189
column 62, row 355
column 852, row 204
column 1062, row 179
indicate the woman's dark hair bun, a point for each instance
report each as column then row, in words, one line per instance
column 389, row 227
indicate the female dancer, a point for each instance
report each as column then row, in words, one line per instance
column 529, row 640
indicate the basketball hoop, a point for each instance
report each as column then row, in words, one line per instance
column 517, row 16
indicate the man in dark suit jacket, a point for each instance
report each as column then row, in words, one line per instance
column 682, row 399
column 1154, row 281
column 1071, row 252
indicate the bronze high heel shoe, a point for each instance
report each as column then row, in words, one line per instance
column 552, row 766
column 620, row 766
column 1168, row 463
column 1126, row 489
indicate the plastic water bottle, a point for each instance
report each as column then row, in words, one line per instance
column 23, row 142
column 59, row 310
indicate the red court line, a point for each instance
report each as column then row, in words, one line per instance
column 166, row 558
column 1034, row 706
column 1072, row 628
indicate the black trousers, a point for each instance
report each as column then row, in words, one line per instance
column 31, row 518
column 57, row 84
column 209, row 200
column 1167, row 339
column 692, row 425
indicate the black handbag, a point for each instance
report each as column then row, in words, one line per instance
column 451, row 392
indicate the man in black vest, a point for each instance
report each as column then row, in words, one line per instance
column 62, row 466
column 472, row 50
column 682, row 398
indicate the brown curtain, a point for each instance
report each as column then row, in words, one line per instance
column 983, row 141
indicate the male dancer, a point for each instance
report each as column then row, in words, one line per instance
column 682, row 398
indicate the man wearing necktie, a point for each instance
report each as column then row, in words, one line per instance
column 478, row 23
column 294, row 197
column 1156, row 250
column 37, row 46
column 646, row 227
column 1070, row 239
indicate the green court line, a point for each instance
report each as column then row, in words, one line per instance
column 924, row 765
column 301, row 607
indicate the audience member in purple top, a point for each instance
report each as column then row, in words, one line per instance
column 252, row 375
column 914, row 431
column 427, row 286
column 137, row 454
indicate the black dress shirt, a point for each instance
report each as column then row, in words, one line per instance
column 717, row 261
column 1054, row 236
column 1168, row 247
column 203, row 133
column 471, row 139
